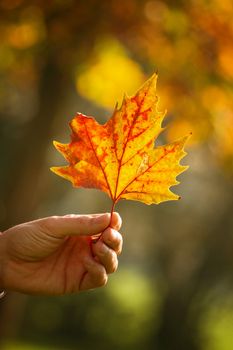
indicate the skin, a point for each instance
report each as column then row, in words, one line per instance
column 60, row 254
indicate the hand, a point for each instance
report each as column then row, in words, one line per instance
column 58, row 254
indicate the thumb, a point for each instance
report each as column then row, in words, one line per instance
column 75, row 225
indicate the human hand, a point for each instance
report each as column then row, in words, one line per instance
column 58, row 254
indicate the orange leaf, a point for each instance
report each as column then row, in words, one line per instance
column 119, row 157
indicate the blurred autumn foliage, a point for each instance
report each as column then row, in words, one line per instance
column 173, row 289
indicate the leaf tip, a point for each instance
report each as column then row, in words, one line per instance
column 59, row 146
column 154, row 77
column 52, row 168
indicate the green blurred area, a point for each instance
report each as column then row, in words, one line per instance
column 173, row 288
column 23, row 346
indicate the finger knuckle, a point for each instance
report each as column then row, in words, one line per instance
column 47, row 223
column 101, row 276
column 102, row 279
column 107, row 234
column 71, row 216
column 119, row 248
column 112, row 237
column 114, row 266
column 101, row 249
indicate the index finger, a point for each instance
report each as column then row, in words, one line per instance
column 76, row 225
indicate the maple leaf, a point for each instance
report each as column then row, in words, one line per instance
column 120, row 157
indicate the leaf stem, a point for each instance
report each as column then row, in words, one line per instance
column 109, row 224
column 112, row 210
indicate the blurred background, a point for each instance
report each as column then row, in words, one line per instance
column 173, row 289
